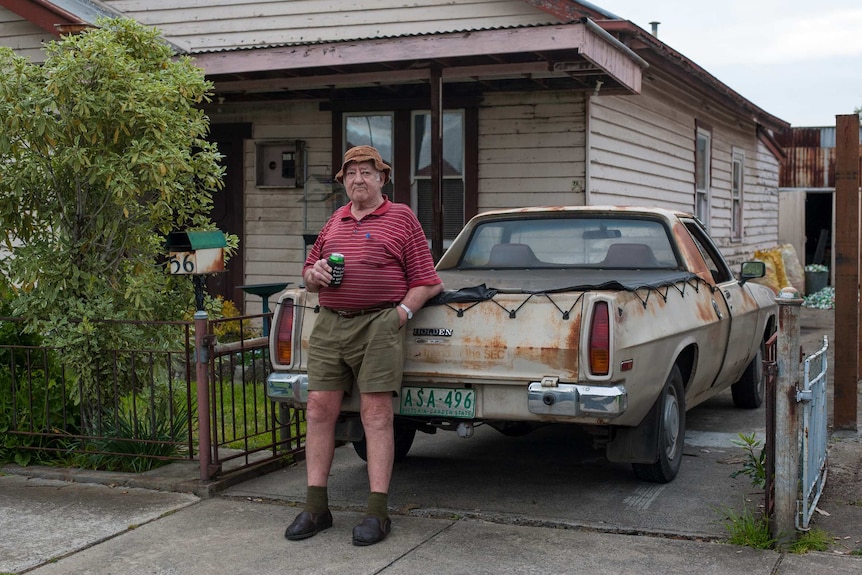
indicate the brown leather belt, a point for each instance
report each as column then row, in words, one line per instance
column 347, row 313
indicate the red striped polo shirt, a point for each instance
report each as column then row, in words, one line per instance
column 385, row 254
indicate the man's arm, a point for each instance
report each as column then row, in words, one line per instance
column 416, row 297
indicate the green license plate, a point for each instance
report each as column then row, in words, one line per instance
column 440, row 401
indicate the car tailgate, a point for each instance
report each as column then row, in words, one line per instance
column 511, row 337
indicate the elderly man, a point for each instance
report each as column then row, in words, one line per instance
column 358, row 336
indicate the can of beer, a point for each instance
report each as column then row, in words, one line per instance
column 336, row 262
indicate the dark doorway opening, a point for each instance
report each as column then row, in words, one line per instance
column 227, row 212
column 818, row 228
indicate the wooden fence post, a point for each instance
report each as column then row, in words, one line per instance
column 847, row 344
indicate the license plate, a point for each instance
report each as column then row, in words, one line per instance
column 440, row 401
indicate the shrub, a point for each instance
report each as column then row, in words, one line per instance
column 138, row 436
column 32, row 399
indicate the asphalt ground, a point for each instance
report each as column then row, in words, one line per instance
column 543, row 503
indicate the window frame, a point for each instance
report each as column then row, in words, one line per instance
column 737, row 193
column 703, row 190
column 401, row 168
column 414, row 178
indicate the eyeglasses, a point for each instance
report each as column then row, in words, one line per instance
column 366, row 174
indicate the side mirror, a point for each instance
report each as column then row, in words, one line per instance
column 751, row 270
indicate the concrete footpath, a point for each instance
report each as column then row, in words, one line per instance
column 58, row 528
column 530, row 513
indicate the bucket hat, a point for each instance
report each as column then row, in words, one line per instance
column 365, row 154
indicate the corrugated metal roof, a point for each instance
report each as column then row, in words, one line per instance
column 224, row 25
column 86, row 10
column 811, row 157
column 369, row 38
column 811, row 137
column 196, row 27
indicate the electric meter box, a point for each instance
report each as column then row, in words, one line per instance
column 280, row 164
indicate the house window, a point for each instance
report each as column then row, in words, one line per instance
column 453, row 173
column 702, row 163
column 388, row 132
column 371, row 130
column 736, row 185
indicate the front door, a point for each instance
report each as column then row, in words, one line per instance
column 227, row 212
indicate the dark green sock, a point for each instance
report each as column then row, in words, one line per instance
column 378, row 505
column 317, row 499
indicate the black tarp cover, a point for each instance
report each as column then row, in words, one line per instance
column 463, row 286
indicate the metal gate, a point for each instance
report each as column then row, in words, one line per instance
column 812, row 398
column 247, row 429
column 770, row 372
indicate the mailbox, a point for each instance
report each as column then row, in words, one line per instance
column 195, row 253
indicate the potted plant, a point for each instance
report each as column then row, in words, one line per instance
column 816, row 278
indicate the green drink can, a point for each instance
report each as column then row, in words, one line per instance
column 336, row 262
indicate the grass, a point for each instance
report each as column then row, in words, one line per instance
column 747, row 529
column 750, row 530
column 244, row 416
column 815, row 539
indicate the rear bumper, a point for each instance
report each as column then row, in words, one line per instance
column 574, row 400
column 548, row 398
column 287, row 387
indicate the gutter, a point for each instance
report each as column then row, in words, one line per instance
column 614, row 41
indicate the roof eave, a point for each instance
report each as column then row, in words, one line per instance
column 44, row 14
column 329, row 60
column 694, row 75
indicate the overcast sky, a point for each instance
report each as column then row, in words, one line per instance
column 796, row 59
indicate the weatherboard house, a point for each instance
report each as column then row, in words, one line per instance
column 477, row 105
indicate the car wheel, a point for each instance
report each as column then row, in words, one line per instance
column 671, row 433
column 749, row 391
column 404, row 435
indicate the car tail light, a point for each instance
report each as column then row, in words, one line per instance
column 600, row 340
column 284, row 333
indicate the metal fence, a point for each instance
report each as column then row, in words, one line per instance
column 246, row 427
column 796, row 428
column 770, row 372
column 144, row 410
column 815, row 437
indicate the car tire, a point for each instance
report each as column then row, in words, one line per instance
column 404, row 435
column 671, row 432
column 749, row 391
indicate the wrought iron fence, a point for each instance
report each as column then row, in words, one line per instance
column 246, row 427
column 144, row 411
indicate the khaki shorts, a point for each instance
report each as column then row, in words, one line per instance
column 367, row 349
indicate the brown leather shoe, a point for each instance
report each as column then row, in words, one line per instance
column 308, row 524
column 372, row 530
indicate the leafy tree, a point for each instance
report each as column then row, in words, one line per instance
column 103, row 151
